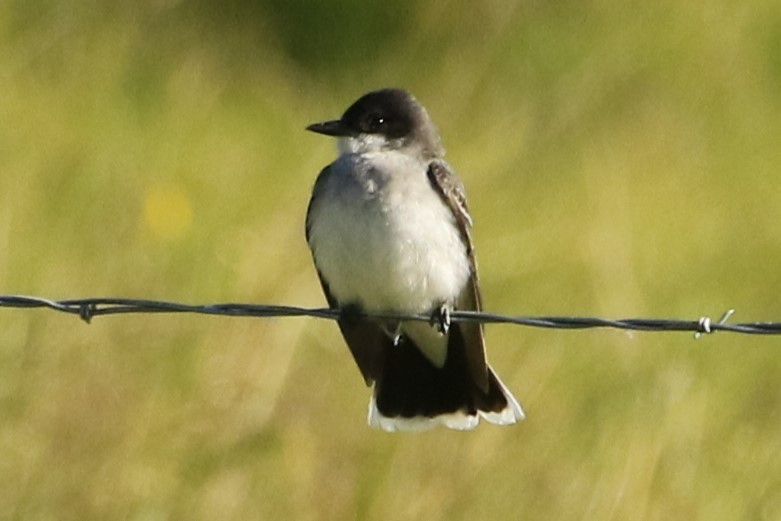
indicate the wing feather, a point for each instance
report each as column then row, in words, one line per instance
column 451, row 190
column 366, row 340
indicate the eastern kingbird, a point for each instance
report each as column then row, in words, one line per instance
column 389, row 231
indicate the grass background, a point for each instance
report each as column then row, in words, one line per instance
column 622, row 159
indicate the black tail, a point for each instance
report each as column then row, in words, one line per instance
column 411, row 387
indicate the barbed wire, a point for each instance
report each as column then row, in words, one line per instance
column 88, row 308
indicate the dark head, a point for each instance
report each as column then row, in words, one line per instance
column 387, row 119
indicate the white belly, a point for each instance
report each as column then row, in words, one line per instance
column 382, row 237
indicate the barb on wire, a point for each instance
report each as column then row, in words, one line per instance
column 87, row 308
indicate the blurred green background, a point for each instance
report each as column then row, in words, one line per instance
column 621, row 158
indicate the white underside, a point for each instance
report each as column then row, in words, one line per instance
column 383, row 239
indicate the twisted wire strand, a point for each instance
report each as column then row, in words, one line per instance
column 88, row 308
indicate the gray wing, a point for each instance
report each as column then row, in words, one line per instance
column 365, row 339
column 451, row 190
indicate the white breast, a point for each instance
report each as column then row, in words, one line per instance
column 382, row 237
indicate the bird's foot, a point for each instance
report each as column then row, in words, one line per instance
column 440, row 319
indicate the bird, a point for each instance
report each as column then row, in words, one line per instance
column 390, row 232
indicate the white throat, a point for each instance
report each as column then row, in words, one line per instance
column 367, row 143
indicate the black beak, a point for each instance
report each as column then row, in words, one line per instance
column 330, row 128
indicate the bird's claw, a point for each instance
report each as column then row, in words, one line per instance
column 440, row 319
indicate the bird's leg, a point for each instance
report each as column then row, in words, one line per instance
column 393, row 330
column 440, row 319
column 352, row 313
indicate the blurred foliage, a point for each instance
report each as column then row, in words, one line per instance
column 621, row 160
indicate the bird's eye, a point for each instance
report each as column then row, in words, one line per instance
column 374, row 123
